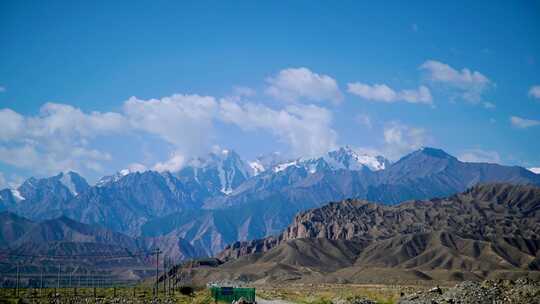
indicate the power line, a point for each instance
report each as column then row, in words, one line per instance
column 97, row 255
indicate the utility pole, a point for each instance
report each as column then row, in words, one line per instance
column 17, row 284
column 171, row 281
column 169, row 276
column 165, row 276
column 41, row 282
column 156, row 289
column 58, row 279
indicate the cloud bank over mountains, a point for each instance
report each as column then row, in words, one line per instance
column 58, row 138
column 61, row 137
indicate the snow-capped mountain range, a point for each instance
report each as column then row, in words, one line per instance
column 224, row 171
column 221, row 198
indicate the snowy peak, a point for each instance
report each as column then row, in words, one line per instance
column 70, row 181
column 17, row 196
column 535, row 170
column 114, row 178
column 256, row 167
column 347, row 158
column 266, row 162
column 73, row 181
column 284, row 166
column 221, row 171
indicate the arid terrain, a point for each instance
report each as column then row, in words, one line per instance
column 487, row 232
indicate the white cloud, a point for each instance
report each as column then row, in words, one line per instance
column 65, row 120
column 383, row 93
column 184, row 121
column 60, row 137
column 523, row 123
column 294, row 84
column 470, row 84
column 535, row 170
column 136, row 167
column 377, row 92
column 305, row 128
column 56, row 139
column 400, row 139
column 480, row 156
column 174, row 163
column 11, row 124
column 534, row 92
column 2, row 89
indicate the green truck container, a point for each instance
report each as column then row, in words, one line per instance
column 230, row 294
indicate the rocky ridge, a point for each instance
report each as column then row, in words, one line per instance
column 494, row 226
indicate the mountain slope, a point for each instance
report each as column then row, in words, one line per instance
column 12, row 228
column 44, row 198
column 489, row 230
column 430, row 172
column 219, row 173
column 128, row 203
column 212, row 230
column 65, row 237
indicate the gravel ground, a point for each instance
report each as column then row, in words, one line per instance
column 522, row 291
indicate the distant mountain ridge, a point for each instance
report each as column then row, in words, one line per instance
column 241, row 200
column 63, row 236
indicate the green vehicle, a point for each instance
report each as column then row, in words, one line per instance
column 233, row 294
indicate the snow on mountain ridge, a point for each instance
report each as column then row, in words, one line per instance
column 65, row 179
column 17, row 195
column 229, row 169
column 535, row 170
column 256, row 167
column 281, row 167
column 112, row 178
column 345, row 158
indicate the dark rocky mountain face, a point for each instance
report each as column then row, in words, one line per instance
column 432, row 172
column 46, row 197
column 12, row 228
column 212, row 230
column 65, row 237
column 222, row 199
column 126, row 204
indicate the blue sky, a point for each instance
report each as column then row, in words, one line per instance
column 301, row 78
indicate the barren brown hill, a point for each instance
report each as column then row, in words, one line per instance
column 488, row 231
